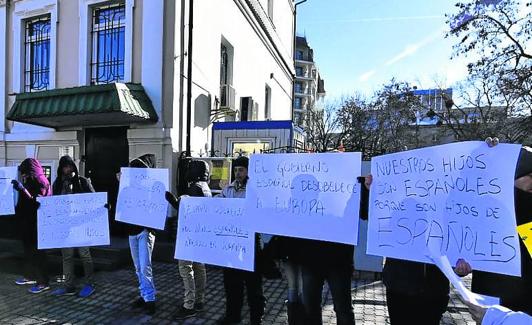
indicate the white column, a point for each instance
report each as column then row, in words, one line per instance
column 152, row 52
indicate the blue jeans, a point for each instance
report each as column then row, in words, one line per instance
column 141, row 247
column 339, row 280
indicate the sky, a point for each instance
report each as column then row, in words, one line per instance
column 361, row 44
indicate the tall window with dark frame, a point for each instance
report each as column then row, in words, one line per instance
column 37, row 54
column 108, row 43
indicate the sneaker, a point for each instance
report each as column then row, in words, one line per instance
column 227, row 321
column 199, row 306
column 39, row 288
column 149, row 307
column 60, row 278
column 86, row 291
column 139, row 303
column 183, row 313
column 64, row 292
column 24, row 281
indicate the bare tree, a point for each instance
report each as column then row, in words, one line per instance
column 497, row 32
column 485, row 109
column 381, row 124
column 322, row 129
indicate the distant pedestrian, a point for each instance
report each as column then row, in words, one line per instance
column 68, row 181
column 34, row 184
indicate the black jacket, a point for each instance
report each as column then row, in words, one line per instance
column 513, row 291
column 80, row 184
column 197, row 177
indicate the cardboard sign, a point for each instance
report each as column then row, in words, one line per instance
column 459, row 197
column 141, row 198
column 7, row 194
column 213, row 231
column 525, row 231
column 314, row 196
column 75, row 220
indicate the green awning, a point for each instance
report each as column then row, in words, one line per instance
column 99, row 105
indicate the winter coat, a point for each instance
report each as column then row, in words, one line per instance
column 513, row 291
column 79, row 183
column 38, row 186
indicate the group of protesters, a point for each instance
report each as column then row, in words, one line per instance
column 416, row 293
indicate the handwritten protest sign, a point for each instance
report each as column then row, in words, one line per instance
column 459, row 196
column 313, row 196
column 141, row 197
column 213, row 231
column 525, row 232
column 75, row 220
column 7, row 195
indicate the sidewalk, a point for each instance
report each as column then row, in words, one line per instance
column 115, row 290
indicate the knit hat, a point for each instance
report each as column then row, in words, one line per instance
column 241, row 162
column 524, row 163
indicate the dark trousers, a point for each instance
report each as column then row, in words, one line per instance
column 234, row 282
column 339, row 280
column 35, row 261
column 415, row 309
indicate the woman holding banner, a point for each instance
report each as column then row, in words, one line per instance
column 34, row 184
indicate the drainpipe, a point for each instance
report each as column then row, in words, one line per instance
column 294, row 54
column 189, row 75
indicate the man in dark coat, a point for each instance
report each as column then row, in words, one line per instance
column 34, row 184
column 193, row 274
column 68, row 181
column 514, row 291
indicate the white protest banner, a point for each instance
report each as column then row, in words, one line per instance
column 74, row 220
column 141, row 197
column 213, row 231
column 7, row 194
column 459, row 196
column 314, row 196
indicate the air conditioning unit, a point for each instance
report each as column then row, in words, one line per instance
column 246, row 108
column 227, row 97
